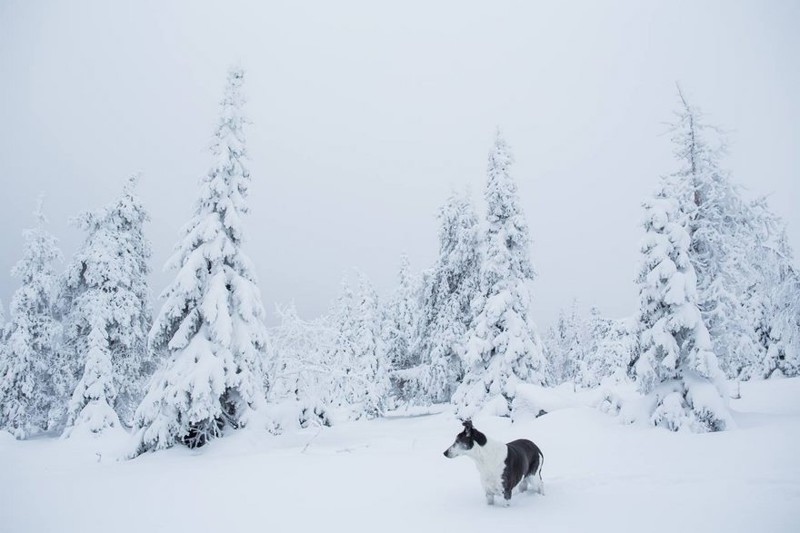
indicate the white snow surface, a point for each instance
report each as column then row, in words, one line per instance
column 390, row 475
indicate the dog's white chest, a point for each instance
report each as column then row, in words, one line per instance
column 491, row 462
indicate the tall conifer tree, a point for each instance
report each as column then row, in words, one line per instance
column 28, row 358
column 503, row 348
column 210, row 329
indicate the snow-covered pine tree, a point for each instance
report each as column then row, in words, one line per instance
column 105, row 299
column 783, row 344
column 301, row 377
column 614, row 351
column 551, row 352
column 587, row 334
column 446, row 312
column 556, row 346
column 503, row 348
column 759, row 297
column 601, row 353
column 721, row 240
column 569, row 346
column 90, row 409
column 400, row 317
column 132, row 361
column 342, row 353
column 28, row 361
column 210, row 329
column 598, row 325
column 597, row 330
column 676, row 366
column 371, row 388
column 770, row 300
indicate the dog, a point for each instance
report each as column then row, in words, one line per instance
column 502, row 466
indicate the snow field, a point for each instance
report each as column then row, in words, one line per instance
column 390, row 475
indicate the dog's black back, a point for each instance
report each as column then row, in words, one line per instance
column 524, row 459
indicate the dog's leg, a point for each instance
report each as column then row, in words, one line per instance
column 489, row 498
column 506, row 498
column 523, row 485
column 539, row 485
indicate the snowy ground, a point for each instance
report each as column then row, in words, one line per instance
column 390, row 475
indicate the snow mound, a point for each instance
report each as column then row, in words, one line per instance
column 532, row 401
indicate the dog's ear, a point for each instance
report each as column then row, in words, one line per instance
column 479, row 437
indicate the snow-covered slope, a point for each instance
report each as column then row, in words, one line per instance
column 389, row 475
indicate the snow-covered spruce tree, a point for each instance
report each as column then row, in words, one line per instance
column 134, row 364
column 607, row 349
column 90, row 410
column 759, row 301
column 301, row 378
column 28, row 358
column 341, row 353
column 770, row 300
column 613, row 347
column 370, row 389
column 783, row 331
column 596, row 330
column 503, row 348
column 446, row 310
column 676, row 366
column 210, row 329
column 551, row 352
column 105, row 288
column 718, row 223
column 569, row 346
column 399, row 323
column 357, row 356
column 598, row 325
column 555, row 345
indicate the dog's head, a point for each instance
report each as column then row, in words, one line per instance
column 465, row 441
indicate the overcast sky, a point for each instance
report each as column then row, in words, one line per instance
column 365, row 116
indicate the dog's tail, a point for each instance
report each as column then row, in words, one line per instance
column 541, row 464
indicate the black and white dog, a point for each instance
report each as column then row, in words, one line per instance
column 502, row 466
